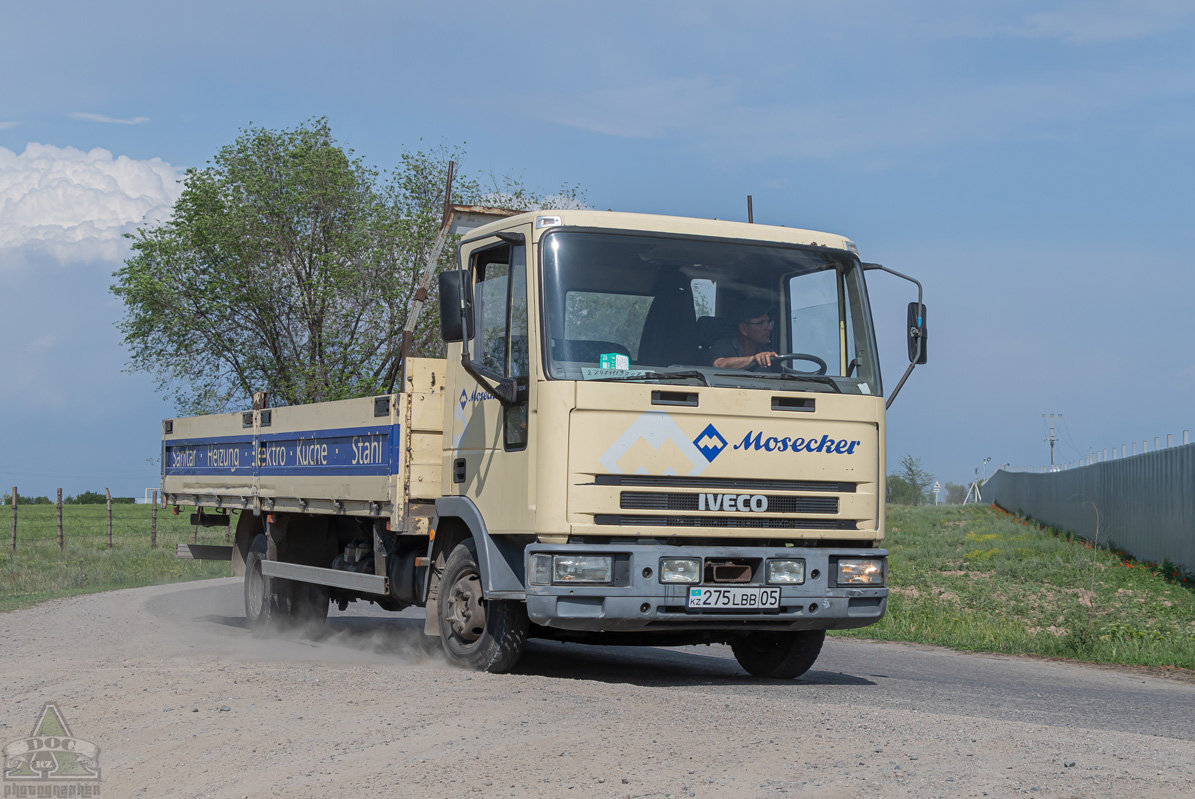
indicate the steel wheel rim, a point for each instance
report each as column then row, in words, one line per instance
column 257, row 590
column 466, row 608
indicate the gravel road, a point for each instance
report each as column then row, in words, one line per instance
column 183, row 702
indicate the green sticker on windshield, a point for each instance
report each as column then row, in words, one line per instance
column 614, row 360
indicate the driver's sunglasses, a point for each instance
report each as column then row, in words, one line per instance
column 764, row 323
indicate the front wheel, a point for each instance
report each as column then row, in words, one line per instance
column 477, row 633
column 779, row 656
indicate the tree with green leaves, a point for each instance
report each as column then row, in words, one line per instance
column 910, row 485
column 288, row 266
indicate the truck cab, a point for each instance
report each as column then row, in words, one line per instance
column 635, row 479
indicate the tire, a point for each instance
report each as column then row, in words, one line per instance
column 281, row 606
column 259, row 600
column 779, row 656
column 476, row 633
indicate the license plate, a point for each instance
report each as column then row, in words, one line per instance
column 706, row 598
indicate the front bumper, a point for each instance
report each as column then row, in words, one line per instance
column 641, row 603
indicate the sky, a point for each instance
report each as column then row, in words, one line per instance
column 1031, row 163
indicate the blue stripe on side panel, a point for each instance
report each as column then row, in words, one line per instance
column 343, row 452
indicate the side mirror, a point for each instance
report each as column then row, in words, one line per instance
column 917, row 333
column 456, row 306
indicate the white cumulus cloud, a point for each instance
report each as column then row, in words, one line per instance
column 108, row 120
column 75, row 205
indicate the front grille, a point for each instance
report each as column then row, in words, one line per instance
column 745, row 521
column 719, row 483
column 643, row 500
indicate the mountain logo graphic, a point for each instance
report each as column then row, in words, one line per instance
column 464, row 398
column 710, row 442
column 51, row 754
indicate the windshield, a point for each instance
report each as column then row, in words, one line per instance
column 626, row 306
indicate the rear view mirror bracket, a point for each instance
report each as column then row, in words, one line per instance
column 917, row 332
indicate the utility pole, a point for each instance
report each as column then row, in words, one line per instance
column 1052, row 438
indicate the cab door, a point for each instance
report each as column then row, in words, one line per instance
column 491, row 441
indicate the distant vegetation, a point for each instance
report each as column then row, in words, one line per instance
column 86, row 498
column 910, row 484
column 975, row 578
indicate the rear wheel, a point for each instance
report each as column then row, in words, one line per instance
column 480, row 634
column 779, row 655
column 275, row 605
column 258, row 588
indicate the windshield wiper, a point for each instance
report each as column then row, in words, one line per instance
column 790, row 376
column 659, row 376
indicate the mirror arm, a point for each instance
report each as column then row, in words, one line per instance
column 504, row 389
column 916, row 334
column 896, row 390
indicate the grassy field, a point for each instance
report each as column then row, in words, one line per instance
column 975, row 578
column 38, row 571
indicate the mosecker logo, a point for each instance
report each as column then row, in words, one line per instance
column 710, row 442
column 51, row 762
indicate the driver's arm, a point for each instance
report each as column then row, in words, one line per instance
column 744, row 361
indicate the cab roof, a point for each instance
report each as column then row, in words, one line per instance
column 617, row 220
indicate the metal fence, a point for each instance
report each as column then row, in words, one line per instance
column 1143, row 504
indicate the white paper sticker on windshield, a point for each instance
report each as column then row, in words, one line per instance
column 590, row 373
column 864, row 388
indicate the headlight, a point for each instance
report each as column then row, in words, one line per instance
column 861, row 571
column 786, row 572
column 680, row 570
column 582, row 569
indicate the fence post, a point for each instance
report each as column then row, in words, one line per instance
column 14, row 518
column 108, row 499
column 1169, row 440
column 61, row 541
column 153, row 523
column 1186, row 437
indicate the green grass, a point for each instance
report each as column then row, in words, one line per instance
column 975, row 578
column 38, row 571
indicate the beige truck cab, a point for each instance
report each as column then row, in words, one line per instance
column 649, row 429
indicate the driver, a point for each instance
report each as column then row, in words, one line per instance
column 749, row 349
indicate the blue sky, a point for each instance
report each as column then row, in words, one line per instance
column 1031, row 163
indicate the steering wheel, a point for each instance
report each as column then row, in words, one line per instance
column 801, row 356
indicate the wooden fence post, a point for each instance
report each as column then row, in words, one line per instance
column 153, row 523
column 108, row 498
column 14, row 518
column 61, row 541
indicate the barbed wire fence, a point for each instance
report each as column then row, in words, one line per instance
column 105, row 525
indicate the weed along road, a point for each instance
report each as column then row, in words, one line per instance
column 182, row 701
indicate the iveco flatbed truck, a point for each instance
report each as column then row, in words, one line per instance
column 578, row 467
